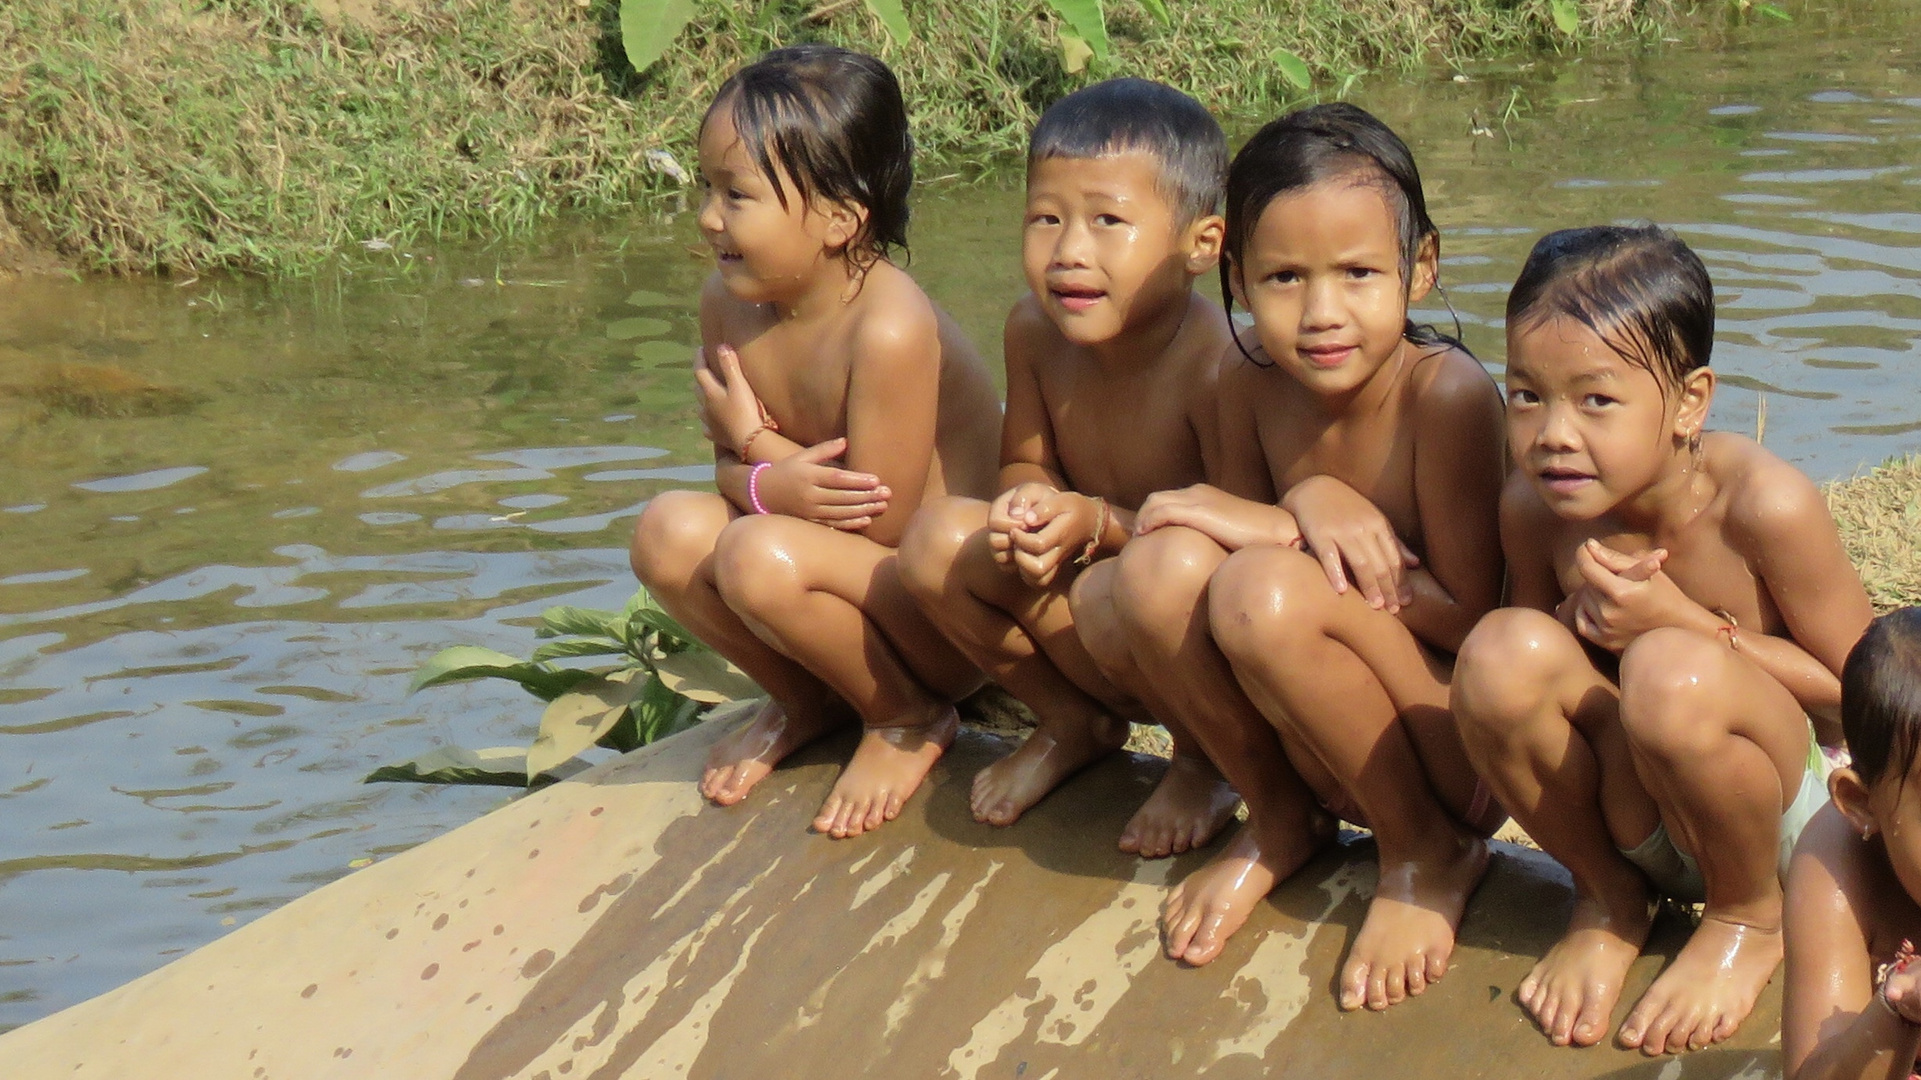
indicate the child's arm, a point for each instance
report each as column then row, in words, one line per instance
column 893, row 405
column 1527, row 530
column 1237, row 507
column 1459, row 467
column 1834, row 1025
column 1027, row 435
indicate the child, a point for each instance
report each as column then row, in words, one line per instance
column 1682, row 606
column 816, row 347
column 1299, row 618
column 1852, row 885
column 1111, row 364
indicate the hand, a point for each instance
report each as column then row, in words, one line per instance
column 808, row 485
column 1902, row 991
column 729, row 409
column 1624, row 596
column 1228, row 520
column 1354, row 541
column 1051, row 530
column 1008, row 512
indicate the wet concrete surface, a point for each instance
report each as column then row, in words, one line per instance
column 616, row 926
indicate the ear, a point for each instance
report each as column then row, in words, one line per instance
column 1203, row 243
column 1427, row 269
column 842, row 222
column 1235, row 285
column 1850, row 797
column 1697, row 393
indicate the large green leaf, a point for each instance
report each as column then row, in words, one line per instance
column 657, row 714
column 577, row 719
column 1159, row 10
column 648, row 27
column 502, row 765
column 663, row 624
column 1085, row 19
column 470, row 662
column 706, row 677
column 1567, row 17
column 1292, row 68
column 581, row 646
column 556, row 621
column 894, row 18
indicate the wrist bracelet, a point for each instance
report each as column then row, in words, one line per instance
column 753, row 486
column 747, row 445
column 1729, row 628
column 1100, row 529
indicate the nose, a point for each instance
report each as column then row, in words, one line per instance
column 1323, row 309
column 1558, row 432
column 709, row 217
column 1071, row 250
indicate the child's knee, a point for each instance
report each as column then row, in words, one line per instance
column 756, row 567
column 675, row 531
column 1161, row 577
column 1096, row 623
column 1673, row 686
column 1263, row 598
column 935, row 541
column 1504, row 671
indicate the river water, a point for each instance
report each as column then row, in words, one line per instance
column 234, row 516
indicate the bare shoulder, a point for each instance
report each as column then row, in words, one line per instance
column 1768, row 500
column 722, row 314
column 1830, row 884
column 1449, row 381
column 895, row 320
column 1205, row 338
column 1029, row 336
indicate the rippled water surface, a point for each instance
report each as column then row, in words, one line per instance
column 233, row 517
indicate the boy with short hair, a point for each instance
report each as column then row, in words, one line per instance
column 1111, row 370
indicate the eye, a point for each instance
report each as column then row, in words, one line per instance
column 1361, row 273
column 1597, row 401
column 1284, row 277
column 736, row 194
column 1521, row 396
column 1108, row 220
column 1043, row 219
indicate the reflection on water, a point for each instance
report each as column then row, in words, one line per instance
column 236, row 516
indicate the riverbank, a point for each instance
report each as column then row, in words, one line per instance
column 263, row 135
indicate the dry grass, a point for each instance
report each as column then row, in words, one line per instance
column 1879, row 515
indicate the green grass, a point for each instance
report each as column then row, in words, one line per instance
column 265, row 135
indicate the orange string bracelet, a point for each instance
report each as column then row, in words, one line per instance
column 1100, row 529
column 767, row 423
column 1730, row 628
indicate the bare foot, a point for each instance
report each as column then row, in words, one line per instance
column 1201, row 913
column 1571, row 993
column 887, row 767
column 744, row 758
column 1709, row 989
column 1190, row 805
column 1004, row 790
column 1408, row 935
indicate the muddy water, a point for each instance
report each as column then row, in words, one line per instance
column 233, row 517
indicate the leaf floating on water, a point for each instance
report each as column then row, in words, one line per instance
column 637, row 327
column 505, row 766
column 1773, row 12
column 648, row 27
column 1567, row 18
column 894, row 18
column 1292, row 68
column 658, row 353
column 646, row 298
column 705, row 677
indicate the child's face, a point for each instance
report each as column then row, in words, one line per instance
column 1590, row 429
column 1103, row 250
column 1896, row 815
column 1321, row 274
column 765, row 251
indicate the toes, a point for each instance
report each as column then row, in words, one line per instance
column 1589, row 1025
column 1179, row 925
column 1131, row 840
column 1354, row 985
column 1207, row 941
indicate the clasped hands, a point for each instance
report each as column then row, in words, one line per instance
column 1623, row 596
column 1033, row 529
column 808, row 483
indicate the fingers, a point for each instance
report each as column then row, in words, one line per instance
column 1331, row 562
column 730, row 372
column 825, row 451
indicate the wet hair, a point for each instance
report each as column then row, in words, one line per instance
column 1122, row 115
column 1881, row 696
column 1316, row 145
column 834, row 122
column 1638, row 287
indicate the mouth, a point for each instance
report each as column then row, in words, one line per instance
column 1564, row 481
column 1076, row 298
column 1327, row 357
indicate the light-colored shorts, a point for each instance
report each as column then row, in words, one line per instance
column 1677, row 874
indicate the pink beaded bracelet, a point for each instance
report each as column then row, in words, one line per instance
column 753, row 486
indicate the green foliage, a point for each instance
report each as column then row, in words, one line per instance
column 894, row 18
column 663, row 682
column 648, row 27
column 1088, row 23
column 1292, row 68
column 1567, row 17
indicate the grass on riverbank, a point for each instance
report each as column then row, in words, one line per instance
column 1879, row 514
column 183, row 135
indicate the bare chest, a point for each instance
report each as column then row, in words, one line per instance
column 1121, row 439
column 800, row 375
column 1374, row 455
column 1700, row 562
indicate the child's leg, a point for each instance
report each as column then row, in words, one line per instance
column 1541, row 722
column 1721, row 746
column 1348, row 687
column 1023, row 638
column 1162, row 597
column 1193, row 801
column 834, row 601
column 672, row 555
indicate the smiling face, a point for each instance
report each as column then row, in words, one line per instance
column 1103, row 249
column 1321, row 274
column 766, row 252
column 1591, row 429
